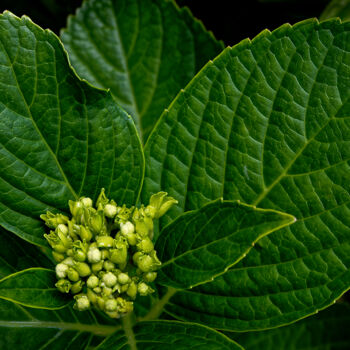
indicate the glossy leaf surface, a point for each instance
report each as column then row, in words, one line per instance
column 59, row 137
column 203, row 244
column 329, row 330
column 33, row 287
column 145, row 51
column 266, row 123
column 172, row 335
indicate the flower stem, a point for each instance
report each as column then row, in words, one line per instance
column 128, row 322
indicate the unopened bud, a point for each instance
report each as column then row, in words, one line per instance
column 97, row 266
column 86, row 201
column 160, row 203
column 104, row 241
column 127, row 228
column 150, row 276
column 83, row 269
column 82, row 302
column 132, row 290
column 63, row 285
column 58, row 256
column 94, row 255
column 77, row 287
column 73, row 275
column 111, row 305
column 145, row 245
column 110, row 210
column 108, row 265
column 109, row 279
column 123, row 278
column 92, row 282
column 144, row 289
column 61, row 270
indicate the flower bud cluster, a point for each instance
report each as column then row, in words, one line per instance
column 105, row 254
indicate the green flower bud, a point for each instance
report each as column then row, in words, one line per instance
column 55, row 242
column 85, row 234
column 127, row 228
column 109, row 279
column 123, row 305
column 150, row 276
column 136, row 257
column 61, row 270
column 70, row 252
column 94, row 255
column 53, row 220
column 62, row 228
column 160, row 203
column 79, row 255
column 63, row 285
column 82, row 302
column 145, row 245
column 132, row 238
column 108, row 265
column 92, row 282
column 86, row 201
column 123, row 278
column 110, row 210
column 91, row 295
column 64, row 239
column 97, row 222
column 100, row 302
column 97, row 266
column 76, row 208
column 77, row 287
column 132, row 290
column 111, row 305
column 113, row 314
column 106, row 291
column 102, row 200
column 123, row 214
column 156, row 261
column 68, row 261
column 144, row 289
column 104, row 254
column 73, row 275
column 97, row 290
column 104, row 241
column 58, row 257
column 145, row 263
column 83, row 269
column 123, row 288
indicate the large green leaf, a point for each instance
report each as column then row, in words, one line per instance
column 32, row 329
column 172, row 335
column 267, row 123
column 34, row 287
column 60, row 138
column 329, row 330
column 145, row 51
column 16, row 255
column 202, row 244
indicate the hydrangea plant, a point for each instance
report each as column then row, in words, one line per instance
column 159, row 190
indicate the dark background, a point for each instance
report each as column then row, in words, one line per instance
column 246, row 18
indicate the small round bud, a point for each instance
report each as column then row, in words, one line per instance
column 97, row 290
column 79, row 255
column 120, row 254
column 86, row 201
column 144, row 289
column 109, row 279
column 145, row 245
column 61, row 270
column 82, row 303
column 63, row 285
column 104, row 254
column 110, row 210
column 92, row 281
column 91, row 295
column 123, row 278
column 77, row 287
column 106, row 291
column 108, row 265
column 58, row 256
column 83, row 269
column 97, row 266
column 70, row 252
column 63, row 228
column 132, row 290
column 94, row 255
column 127, row 228
column 150, row 276
column 111, row 305
column 73, row 275
column 145, row 263
column 104, row 241
column 85, row 234
column 68, row 261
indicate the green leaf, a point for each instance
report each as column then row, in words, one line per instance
column 34, row 287
column 145, row 51
column 16, row 254
column 202, row 244
column 327, row 330
column 60, row 138
column 266, row 123
column 32, row 329
column 337, row 8
column 160, row 335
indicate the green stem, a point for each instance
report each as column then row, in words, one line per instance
column 128, row 322
column 157, row 309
